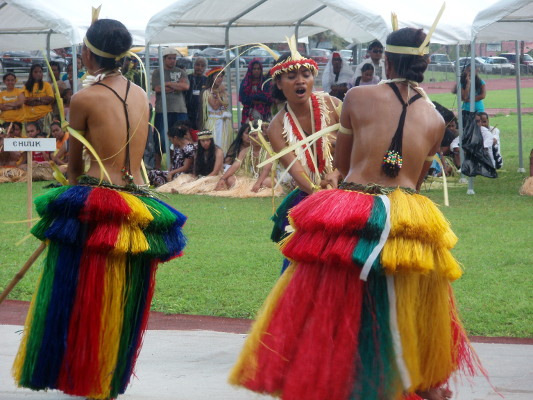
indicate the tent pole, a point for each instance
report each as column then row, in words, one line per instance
column 162, row 135
column 238, row 86
column 147, row 68
column 228, row 75
column 519, row 109
column 48, row 35
column 459, row 107
column 470, row 189
column 74, row 68
column 301, row 20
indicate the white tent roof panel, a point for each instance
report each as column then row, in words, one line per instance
column 26, row 23
column 505, row 20
column 205, row 21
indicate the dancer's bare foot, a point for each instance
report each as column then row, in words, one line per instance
column 436, row 394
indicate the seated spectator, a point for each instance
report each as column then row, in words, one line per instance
column 337, row 76
column 33, row 130
column 81, row 72
column 367, row 76
column 488, row 139
column 14, row 129
column 61, row 155
column 455, row 149
column 66, row 95
column 374, row 56
column 39, row 97
column 209, row 156
column 182, row 158
column 68, row 78
column 242, row 177
column 207, row 168
column 450, row 134
column 11, row 167
column 496, row 148
column 11, row 100
column 10, row 158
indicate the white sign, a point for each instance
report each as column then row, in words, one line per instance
column 494, row 46
column 29, row 144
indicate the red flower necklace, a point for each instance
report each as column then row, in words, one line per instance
column 318, row 126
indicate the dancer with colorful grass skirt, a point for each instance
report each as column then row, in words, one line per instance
column 365, row 309
column 106, row 238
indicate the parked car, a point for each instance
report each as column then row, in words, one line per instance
column 216, row 57
column 321, row 56
column 525, row 59
column 499, row 65
column 347, row 55
column 440, row 59
column 480, row 63
column 260, row 54
column 13, row 61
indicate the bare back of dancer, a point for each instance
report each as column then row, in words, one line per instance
column 100, row 115
column 373, row 113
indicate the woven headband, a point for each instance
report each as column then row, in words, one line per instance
column 101, row 53
column 414, row 51
column 205, row 135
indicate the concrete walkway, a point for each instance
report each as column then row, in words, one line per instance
column 194, row 364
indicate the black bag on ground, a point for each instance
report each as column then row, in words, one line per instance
column 477, row 161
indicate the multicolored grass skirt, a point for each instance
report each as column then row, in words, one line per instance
column 365, row 310
column 87, row 318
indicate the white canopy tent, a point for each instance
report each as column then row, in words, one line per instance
column 40, row 24
column 252, row 21
column 34, row 25
column 504, row 20
column 249, row 21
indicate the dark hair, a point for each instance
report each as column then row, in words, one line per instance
column 477, row 79
column 375, row 43
column 277, row 93
column 483, row 113
column 110, row 36
column 211, row 79
column 56, row 123
column 407, row 66
column 235, row 147
column 6, row 75
column 367, row 67
column 55, row 64
column 205, row 159
column 179, row 129
column 36, row 124
column 19, row 124
column 30, row 82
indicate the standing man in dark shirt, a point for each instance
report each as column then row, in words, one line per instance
column 175, row 86
column 197, row 82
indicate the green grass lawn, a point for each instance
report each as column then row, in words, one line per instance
column 230, row 265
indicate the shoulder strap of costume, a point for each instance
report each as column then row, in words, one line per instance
column 125, row 106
